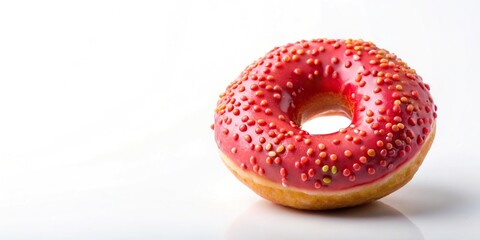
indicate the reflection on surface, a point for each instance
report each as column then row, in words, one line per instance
column 430, row 200
column 377, row 220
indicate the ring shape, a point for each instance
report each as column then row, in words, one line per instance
column 258, row 123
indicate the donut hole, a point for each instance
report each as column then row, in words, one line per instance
column 324, row 114
column 326, row 124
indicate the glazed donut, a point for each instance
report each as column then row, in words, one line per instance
column 258, row 123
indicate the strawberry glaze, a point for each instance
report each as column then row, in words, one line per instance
column 257, row 123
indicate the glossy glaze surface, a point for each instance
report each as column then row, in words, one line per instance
column 258, row 118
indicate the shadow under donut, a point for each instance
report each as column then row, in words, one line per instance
column 377, row 220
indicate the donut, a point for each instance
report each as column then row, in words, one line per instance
column 259, row 117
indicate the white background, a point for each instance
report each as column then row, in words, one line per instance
column 105, row 108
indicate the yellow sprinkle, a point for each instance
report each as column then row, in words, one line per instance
column 327, row 180
column 334, row 169
column 268, row 147
column 325, row 168
column 280, row 148
column 272, row 154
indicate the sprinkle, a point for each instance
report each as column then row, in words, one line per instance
column 310, row 152
column 303, row 160
column 333, row 157
column 297, row 71
column 335, row 60
column 351, row 178
column 272, row 154
column 280, row 149
column 304, row 177
column 328, row 70
column 425, row 130
column 383, row 163
column 371, row 152
column 358, row 78
column 290, row 147
column 369, row 113
column 327, row 180
column 225, row 131
column 348, row 137
column 396, row 109
column 321, row 146
column 356, row 167
column 298, row 165
column 325, row 168
column 395, row 128
column 347, row 153
column 268, row 147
